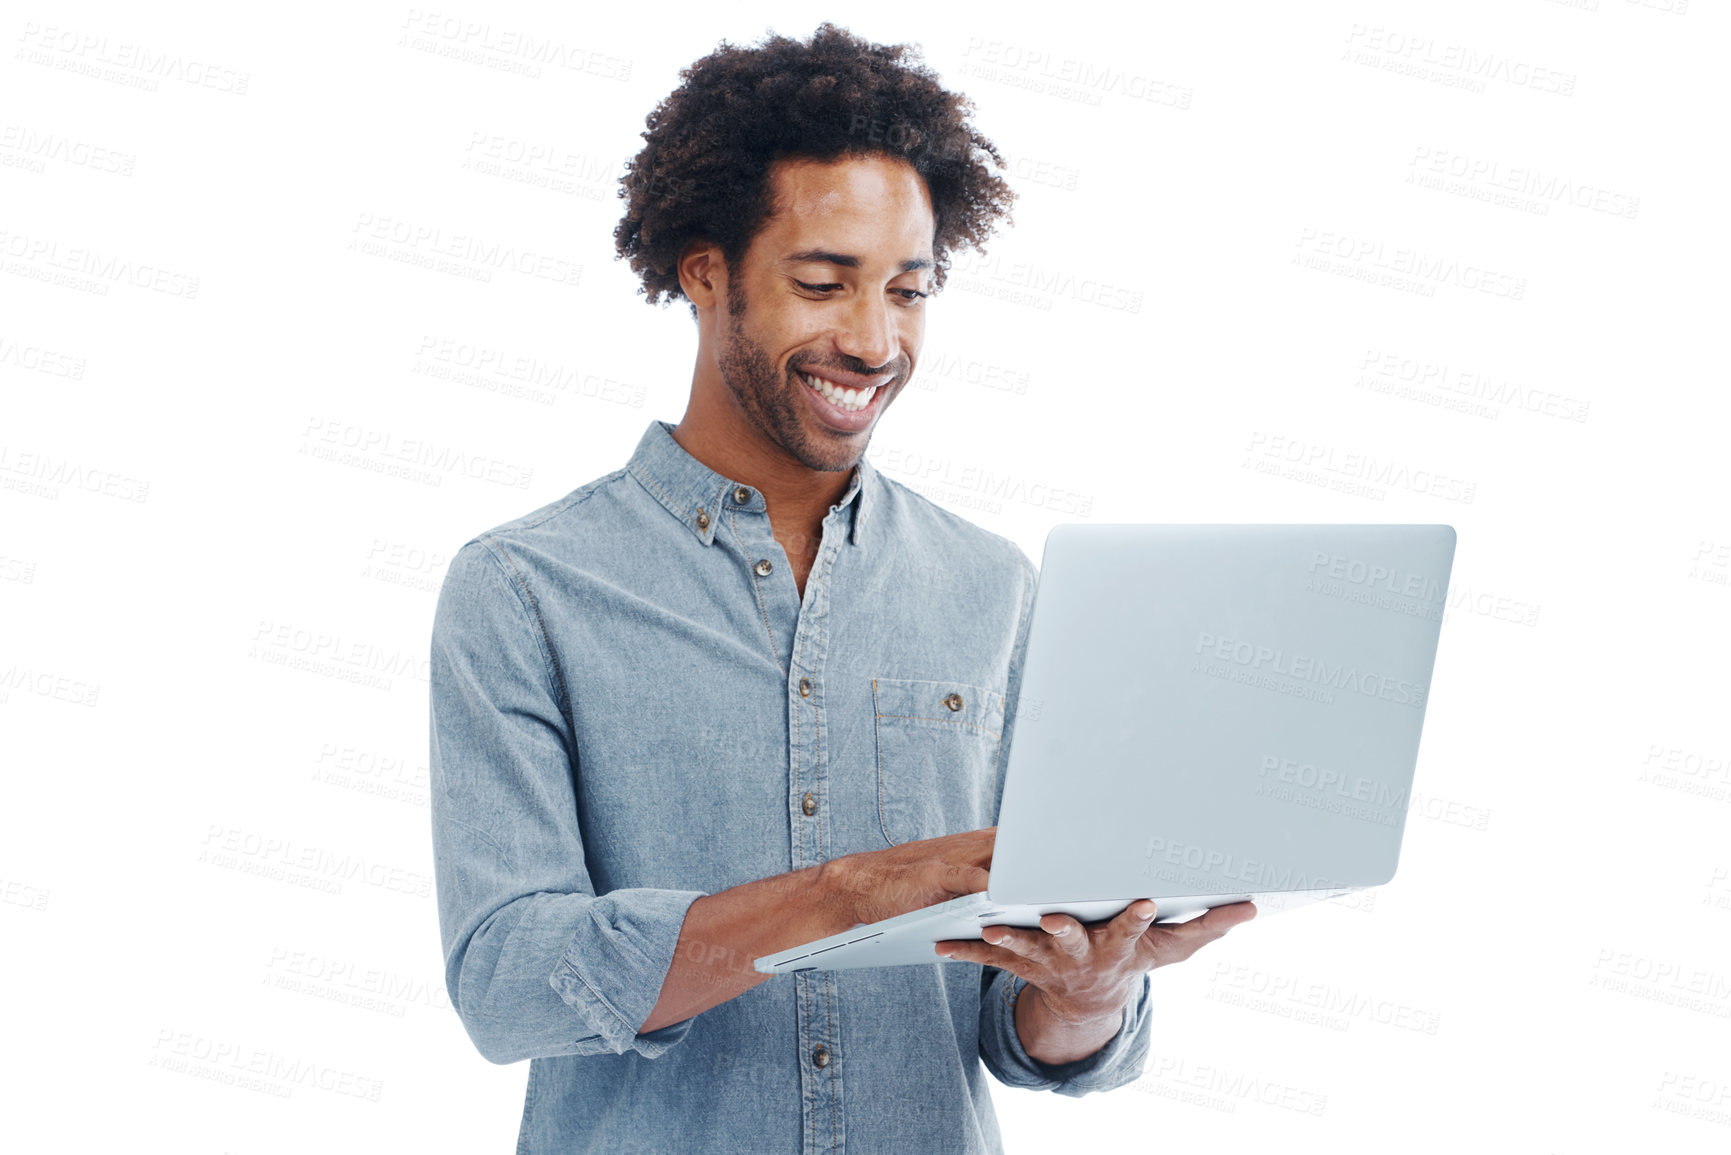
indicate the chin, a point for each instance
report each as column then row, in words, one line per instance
column 831, row 452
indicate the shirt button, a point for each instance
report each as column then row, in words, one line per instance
column 763, row 567
column 805, row 687
column 809, row 806
column 953, row 701
column 742, row 496
column 702, row 520
column 820, row 1056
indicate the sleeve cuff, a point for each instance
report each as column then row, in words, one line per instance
column 613, row 969
column 1118, row 1062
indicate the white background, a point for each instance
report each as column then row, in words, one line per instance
column 213, row 642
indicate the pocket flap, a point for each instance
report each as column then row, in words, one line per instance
column 938, row 703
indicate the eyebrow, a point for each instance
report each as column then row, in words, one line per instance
column 825, row 257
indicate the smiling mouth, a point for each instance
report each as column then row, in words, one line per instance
column 841, row 396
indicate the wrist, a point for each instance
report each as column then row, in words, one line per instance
column 1071, row 1015
column 1054, row 1039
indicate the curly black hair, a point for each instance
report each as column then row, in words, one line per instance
column 703, row 172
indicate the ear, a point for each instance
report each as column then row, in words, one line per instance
column 702, row 274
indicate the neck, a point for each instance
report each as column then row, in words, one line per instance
column 798, row 497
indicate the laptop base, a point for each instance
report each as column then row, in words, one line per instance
column 909, row 939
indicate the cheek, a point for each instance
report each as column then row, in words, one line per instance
column 914, row 332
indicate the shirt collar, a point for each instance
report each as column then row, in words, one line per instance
column 698, row 496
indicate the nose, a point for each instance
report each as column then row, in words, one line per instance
column 869, row 331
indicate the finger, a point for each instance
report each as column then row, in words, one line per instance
column 1233, row 913
column 959, row 880
column 1178, row 942
column 972, row 846
column 1216, row 921
column 1069, row 935
column 975, row 951
column 1132, row 922
column 1030, row 944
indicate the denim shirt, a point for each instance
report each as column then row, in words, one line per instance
column 632, row 706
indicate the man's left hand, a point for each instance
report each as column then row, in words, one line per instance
column 1088, row 971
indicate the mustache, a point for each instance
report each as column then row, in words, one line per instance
column 854, row 365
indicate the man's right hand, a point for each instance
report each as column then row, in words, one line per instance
column 877, row 884
column 724, row 932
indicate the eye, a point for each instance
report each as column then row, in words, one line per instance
column 912, row 294
column 830, row 288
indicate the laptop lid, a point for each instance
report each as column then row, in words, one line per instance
column 1218, row 709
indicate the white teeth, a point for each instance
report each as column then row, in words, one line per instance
column 850, row 399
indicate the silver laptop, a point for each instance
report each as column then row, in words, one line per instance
column 1208, row 714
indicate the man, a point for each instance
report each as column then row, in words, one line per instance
column 745, row 692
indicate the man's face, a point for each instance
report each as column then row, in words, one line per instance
column 826, row 310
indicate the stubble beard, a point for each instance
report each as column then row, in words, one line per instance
column 767, row 398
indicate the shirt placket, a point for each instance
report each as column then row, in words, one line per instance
column 816, row 996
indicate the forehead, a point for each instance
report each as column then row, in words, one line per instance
column 874, row 207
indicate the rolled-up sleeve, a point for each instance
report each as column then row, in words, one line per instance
column 1123, row 1057
column 1120, row 1061
column 536, row 963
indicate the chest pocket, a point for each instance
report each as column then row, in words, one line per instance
column 937, row 746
